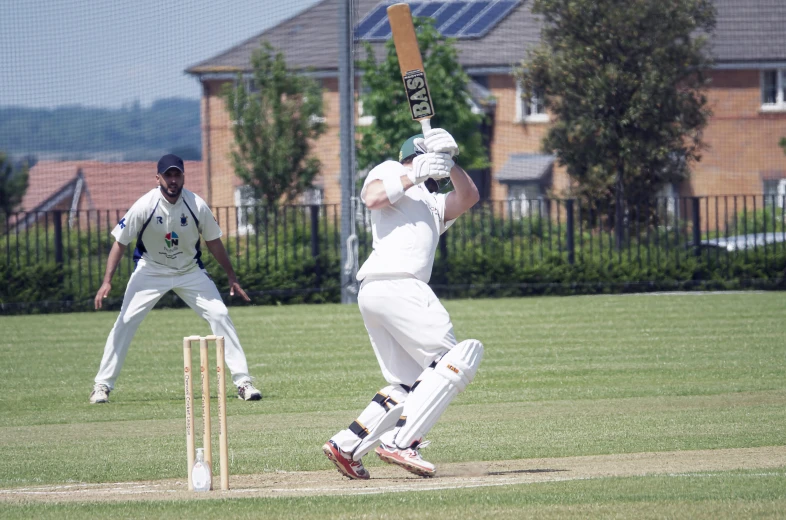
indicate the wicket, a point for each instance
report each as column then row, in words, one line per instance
column 222, row 404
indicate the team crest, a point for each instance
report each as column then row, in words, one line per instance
column 171, row 239
column 183, row 219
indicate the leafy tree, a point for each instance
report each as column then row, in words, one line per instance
column 383, row 98
column 13, row 184
column 274, row 125
column 626, row 85
column 782, row 144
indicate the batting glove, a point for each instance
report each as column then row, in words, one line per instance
column 440, row 141
column 430, row 166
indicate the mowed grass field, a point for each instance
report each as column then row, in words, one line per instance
column 562, row 378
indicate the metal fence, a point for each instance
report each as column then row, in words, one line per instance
column 514, row 233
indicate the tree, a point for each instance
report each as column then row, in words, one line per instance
column 13, row 184
column 274, row 124
column 782, row 144
column 383, row 98
column 626, row 84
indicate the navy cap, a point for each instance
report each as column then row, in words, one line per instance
column 170, row 161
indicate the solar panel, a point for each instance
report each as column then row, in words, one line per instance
column 428, row 9
column 382, row 32
column 445, row 14
column 489, row 19
column 456, row 19
column 370, row 21
column 467, row 15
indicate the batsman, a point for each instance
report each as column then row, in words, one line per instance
column 410, row 331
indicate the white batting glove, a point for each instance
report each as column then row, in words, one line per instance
column 440, row 141
column 430, row 166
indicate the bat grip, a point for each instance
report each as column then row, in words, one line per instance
column 425, row 124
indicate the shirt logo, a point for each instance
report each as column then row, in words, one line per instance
column 183, row 220
column 122, row 223
column 160, row 220
column 171, row 239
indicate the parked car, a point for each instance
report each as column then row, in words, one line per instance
column 742, row 242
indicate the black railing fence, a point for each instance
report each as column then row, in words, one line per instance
column 56, row 259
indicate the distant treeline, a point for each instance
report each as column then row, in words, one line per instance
column 131, row 132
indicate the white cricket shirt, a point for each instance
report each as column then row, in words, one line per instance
column 405, row 234
column 167, row 235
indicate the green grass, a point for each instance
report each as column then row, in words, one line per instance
column 561, row 377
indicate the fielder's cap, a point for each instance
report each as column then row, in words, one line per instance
column 413, row 146
column 170, row 161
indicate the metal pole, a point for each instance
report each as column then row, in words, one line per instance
column 347, row 136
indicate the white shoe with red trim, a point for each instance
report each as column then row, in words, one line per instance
column 344, row 464
column 408, row 458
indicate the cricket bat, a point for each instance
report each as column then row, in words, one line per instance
column 411, row 64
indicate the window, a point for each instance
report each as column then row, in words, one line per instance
column 363, row 118
column 313, row 196
column 245, row 204
column 773, row 89
column 530, row 110
column 666, row 200
column 524, row 198
column 774, row 192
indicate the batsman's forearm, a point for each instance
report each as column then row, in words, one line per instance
column 113, row 260
column 463, row 185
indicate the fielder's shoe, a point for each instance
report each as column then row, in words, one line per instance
column 247, row 392
column 344, row 463
column 100, row 394
column 408, row 458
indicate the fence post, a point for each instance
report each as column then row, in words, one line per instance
column 58, row 225
column 570, row 226
column 314, row 210
column 696, row 207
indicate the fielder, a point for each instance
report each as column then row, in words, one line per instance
column 410, row 331
column 167, row 223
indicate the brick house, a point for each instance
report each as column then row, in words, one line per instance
column 748, row 95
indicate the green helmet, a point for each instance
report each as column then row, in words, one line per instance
column 413, row 146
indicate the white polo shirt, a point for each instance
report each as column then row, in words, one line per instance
column 166, row 234
column 405, row 234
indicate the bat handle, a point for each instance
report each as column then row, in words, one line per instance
column 425, row 124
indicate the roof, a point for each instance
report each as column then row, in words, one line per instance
column 750, row 30
column 114, row 186
column 525, row 167
column 306, row 48
column 747, row 31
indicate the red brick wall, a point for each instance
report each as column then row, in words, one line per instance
column 742, row 141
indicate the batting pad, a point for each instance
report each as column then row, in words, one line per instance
column 385, row 400
column 437, row 389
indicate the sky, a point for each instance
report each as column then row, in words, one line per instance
column 112, row 53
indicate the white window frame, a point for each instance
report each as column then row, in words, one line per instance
column 780, row 92
column 245, row 204
column 776, row 192
column 363, row 120
column 533, row 117
column 523, row 197
column 313, row 196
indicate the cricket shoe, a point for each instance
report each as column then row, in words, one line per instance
column 247, row 392
column 344, row 464
column 100, row 394
column 408, row 458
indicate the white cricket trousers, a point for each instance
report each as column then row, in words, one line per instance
column 145, row 288
column 408, row 326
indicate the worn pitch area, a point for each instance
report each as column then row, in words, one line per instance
column 391, row 479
